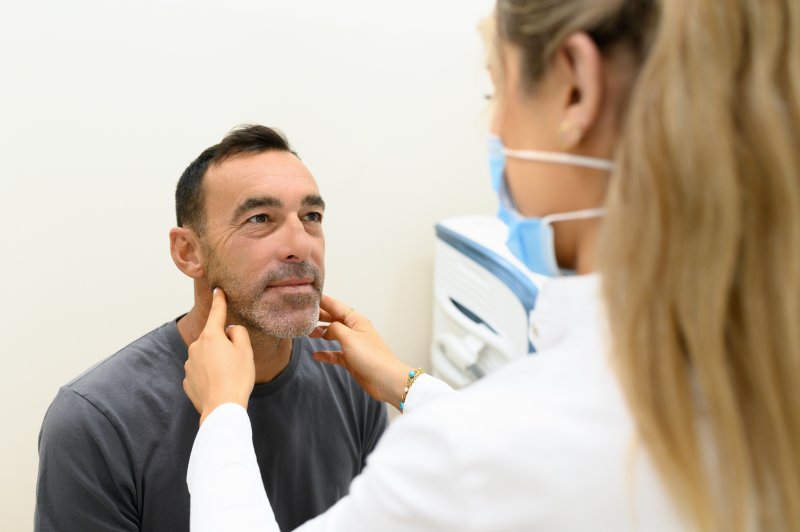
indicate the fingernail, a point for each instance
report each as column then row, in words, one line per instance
column 214, row 292
column 229, row 327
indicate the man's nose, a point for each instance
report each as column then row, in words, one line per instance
column 294, row 244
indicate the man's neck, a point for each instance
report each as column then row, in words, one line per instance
column 271, row 354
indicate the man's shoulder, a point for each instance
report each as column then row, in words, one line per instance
column 137, row 390
column 141, row 365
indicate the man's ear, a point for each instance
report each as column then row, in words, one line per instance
column 184, row 246
column 583, row 102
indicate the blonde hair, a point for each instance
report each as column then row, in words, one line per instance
column 701, row 260
column 700, row 251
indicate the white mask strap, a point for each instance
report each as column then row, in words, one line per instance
column 574, row 215
column 561, row 158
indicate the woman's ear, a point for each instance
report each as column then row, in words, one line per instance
column 583, row 65
column 184, row 246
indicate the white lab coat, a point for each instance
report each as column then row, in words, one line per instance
column 545, row 443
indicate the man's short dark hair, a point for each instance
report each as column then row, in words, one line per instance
column 189, row 198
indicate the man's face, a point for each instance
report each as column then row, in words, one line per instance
column 264, row 244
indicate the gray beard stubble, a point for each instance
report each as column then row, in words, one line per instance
column 272, row 319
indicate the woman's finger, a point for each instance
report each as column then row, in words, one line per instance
column 318, row 332
column 219, row 312
column 333, row 307
column 238, row 336
column 333, row 310
column 328, row 357
column 337, row 331
column 325, row 316
column 338, row 311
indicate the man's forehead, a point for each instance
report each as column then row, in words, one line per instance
column 270, row 163
column 253, row 170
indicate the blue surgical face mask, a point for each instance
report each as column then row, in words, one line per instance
column 531, row 239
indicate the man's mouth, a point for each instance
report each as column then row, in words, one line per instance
column 292, row 284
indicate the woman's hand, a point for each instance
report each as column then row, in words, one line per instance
column 220, row 367
column 364, row 354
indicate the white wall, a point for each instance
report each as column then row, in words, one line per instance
column 102, row 105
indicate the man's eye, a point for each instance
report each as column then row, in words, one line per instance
column 313, row 217
column 258, row 219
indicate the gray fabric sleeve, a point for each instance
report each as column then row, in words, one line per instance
column 85, row 472
column 376, row 426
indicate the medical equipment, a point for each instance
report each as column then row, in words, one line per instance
column 482, row 300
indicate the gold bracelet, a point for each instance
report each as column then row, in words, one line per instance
column 412, row 376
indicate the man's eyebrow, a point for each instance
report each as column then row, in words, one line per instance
column 255, row 203
column 314, row 200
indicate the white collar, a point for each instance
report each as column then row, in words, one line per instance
column 564, row 303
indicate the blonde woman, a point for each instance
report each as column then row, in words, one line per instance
column 664, row 393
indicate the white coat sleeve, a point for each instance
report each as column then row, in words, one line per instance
column 223, row 476
column 425, row 390
column 408, row 482
column 415, row 479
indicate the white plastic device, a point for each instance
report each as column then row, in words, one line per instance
column 482, row 299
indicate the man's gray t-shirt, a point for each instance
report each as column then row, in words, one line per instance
column 115, row 443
